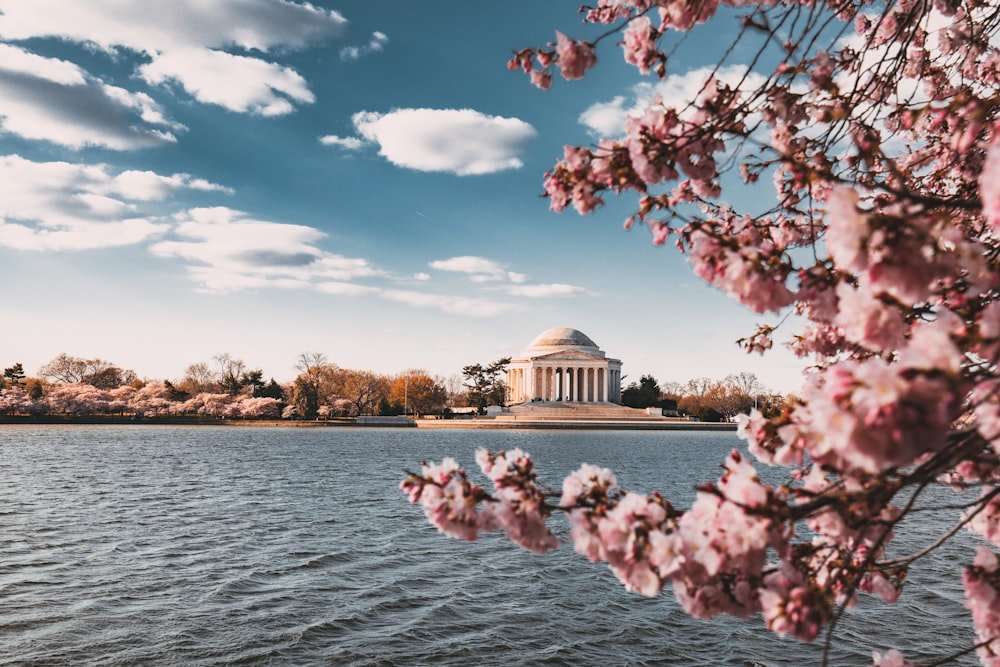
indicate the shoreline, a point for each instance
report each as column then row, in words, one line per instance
column 471, row 424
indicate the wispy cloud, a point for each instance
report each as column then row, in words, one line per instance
column 228, row 251
column 347, row 143
column 479, row 269
column 454, row 305
column 542, row 291
column 375, row 44
column 483, row 270
column 458, row 141
column 62, row 206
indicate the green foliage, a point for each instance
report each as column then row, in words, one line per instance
column 644, row 394
column 304, row 397
column 271, row 390
column 14, row 373
column 485, row 384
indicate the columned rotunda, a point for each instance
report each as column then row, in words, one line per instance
column 563, row 365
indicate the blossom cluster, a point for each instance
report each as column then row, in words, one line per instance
column 462, row 509
column 881, row 252
column 153, row 399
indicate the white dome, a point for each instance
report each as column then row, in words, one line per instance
column 561, row 338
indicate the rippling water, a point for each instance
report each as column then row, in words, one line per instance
column 282, row 546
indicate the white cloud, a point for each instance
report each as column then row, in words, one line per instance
column 184, row 41
column 479, row 269
column 159, row 27
column 150, row 186
column 54, row 100
column 458, row 141
column 79, row 235
column 375, row 44
column 237, row 83
column 62, row 72
column 347, row 143
column 422, row 277
column 60, row 206
column 545, row 291
column 606, row 119
column 228, row 251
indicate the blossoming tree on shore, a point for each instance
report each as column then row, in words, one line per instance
column 878, row 127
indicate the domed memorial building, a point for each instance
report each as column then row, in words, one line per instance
column 563, row 364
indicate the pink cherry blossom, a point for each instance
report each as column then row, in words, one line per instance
column 573, row 57
column 981, row 592
column 448, row 499
column 878, row 249
column 989, row 183
column 639, row 44
column 891, row 658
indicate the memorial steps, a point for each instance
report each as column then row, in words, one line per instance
column 576, row 411
column 573, row 415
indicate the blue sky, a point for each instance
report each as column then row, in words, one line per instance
column 265, row 178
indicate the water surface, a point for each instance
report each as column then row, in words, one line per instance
column 145, row 545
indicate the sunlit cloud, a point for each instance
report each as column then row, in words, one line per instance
column 54, row 100
column 152, row 27
column 237, row 83
column 183, row 42
column 63, row 206
column 458, row 141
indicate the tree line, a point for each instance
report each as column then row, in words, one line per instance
column 706, row 399
column 226, row 387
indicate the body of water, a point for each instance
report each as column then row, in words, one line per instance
column 145, row 545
